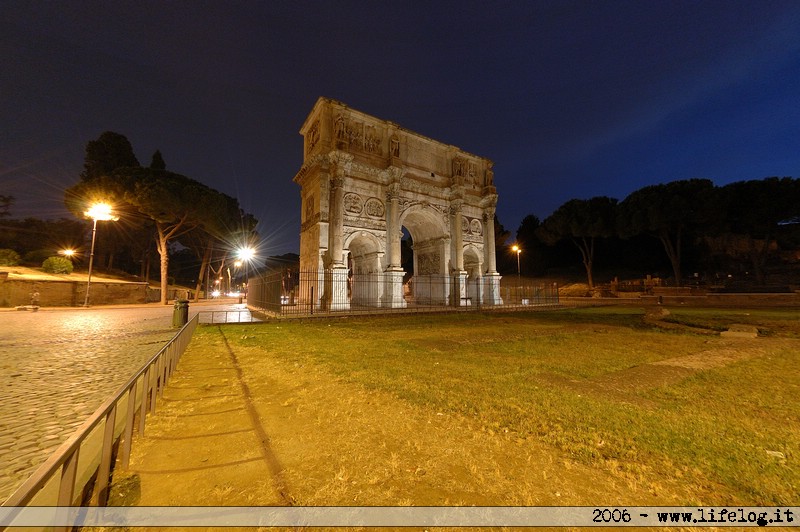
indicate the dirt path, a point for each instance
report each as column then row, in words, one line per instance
column 625, row 385
column 245, row 428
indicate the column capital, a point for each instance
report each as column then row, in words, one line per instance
column 393, row 192
column 341, row 162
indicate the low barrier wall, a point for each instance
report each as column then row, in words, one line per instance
column 17, row 292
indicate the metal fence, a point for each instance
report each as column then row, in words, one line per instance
column 213, row 317
column 293, row 293
column 78, row 473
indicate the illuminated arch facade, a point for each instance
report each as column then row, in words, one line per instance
column 362, row 181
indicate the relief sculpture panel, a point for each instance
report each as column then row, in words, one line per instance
column 353, row 203
column 358, row 135
column 475, row 227
column 374, row 207
column 428, row 263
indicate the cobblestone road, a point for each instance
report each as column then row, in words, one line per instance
column 57, row 366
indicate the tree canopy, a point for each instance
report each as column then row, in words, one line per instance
column 583, row 222
column 668, row 212
column 157, row 162
column 175, row 204
column 756, row 210
column 104, row 155
column 5, row 205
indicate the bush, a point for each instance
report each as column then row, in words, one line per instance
column 57, row 265
column 8, row 257
column 34, row 258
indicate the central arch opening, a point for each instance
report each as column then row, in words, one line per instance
column 430, row 245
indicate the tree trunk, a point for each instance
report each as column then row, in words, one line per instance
column 163, row 251
column 674, row 254
column 587, row 252
column 165, row 232
column 589, row 276
column 201, row 276
column 758, row 258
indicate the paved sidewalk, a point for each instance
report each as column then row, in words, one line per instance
column 59, row 364
column 205, row 438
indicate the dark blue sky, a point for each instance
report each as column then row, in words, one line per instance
column 571, row 99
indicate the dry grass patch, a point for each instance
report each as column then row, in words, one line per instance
column 582, row 407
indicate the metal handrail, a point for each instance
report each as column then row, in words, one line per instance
column 139, row 394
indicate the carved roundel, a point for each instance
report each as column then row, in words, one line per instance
column 353, row 203
column 464, row 224
column 476, row 227
column 374, row 208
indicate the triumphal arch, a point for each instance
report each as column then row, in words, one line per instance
column 365, row 180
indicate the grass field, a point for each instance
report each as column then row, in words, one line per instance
column 659, row 406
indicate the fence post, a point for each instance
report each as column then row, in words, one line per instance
column 104, row 471
column 128, row 434
column 154, row 386
column 66, row 488
column 145, row 399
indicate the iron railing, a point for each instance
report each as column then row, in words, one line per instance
column 78, row 472
column 338, row 292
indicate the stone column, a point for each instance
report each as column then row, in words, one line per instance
column 458, row 294
column 491, row 281
column 336, row 221
column 336, row 276
column 457, row 233
column 393, row 232
column 488, row 240
column 393, row 276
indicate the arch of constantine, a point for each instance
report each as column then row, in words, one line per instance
column 365, row 180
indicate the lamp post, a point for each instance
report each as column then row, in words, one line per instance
column 516, row 249
column 236, row 265
column 98, row 211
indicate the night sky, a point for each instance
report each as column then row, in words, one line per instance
column 570, row 99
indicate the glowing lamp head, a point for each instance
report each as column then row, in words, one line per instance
column 246, row 254
column 100, row 212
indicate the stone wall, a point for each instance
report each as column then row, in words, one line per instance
column 17, row 292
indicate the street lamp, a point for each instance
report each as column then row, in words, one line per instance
column 245, row 255
column 516, row 249
column 102, row 212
